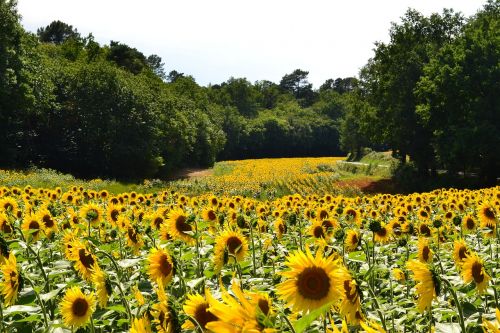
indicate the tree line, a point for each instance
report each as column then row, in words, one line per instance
column 69, row 103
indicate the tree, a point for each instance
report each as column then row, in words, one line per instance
column 13, row 95
column 459, row 97
column 296, row 84
column 174, row 75
column 390, row 79
column 127, row 57
column 157, row 66
column 57, row 32
column 340, row 85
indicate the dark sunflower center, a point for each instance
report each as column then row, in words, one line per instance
column 6, row 228
column 233, row 244
column 165, row 265
column 281, row 228
column 264, row 306
column 488, row 213
column 85, row 259
column 354, row 239
column 34, row 225
column 462, row 253
column 449, row 215
column 477, row 272
column 351, row 213
column 157, row 222
column 382, row 232
column 425, row 230
column 8, row 206
column 181, row 225
column 49, row 223
column 132, row 235
column 425, row 253
column 313, row 283
column 327, row 224
column 211, row 215
column 318, row 232
column 349, row 292
column 80, row 307
column 114, row 215
column 470, row 224
column 202, row 316
column 323, row 215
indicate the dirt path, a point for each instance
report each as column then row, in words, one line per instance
column 190, row 173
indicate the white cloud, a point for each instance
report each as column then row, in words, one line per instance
column 213, row 40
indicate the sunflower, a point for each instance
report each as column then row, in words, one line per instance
column 138, row 295
column 164, row 316
column 77, row 307
column 112, row 213
column 353, row 215
column 489, row 326
column 49, row 223
column 12, row 281
column 177, row 226
column 102, row 285
column 382, row 235
column 91, row 213
column 424, row 230
column 141, row 325
column 350, row 305
column 280, row 227
column 242, row 313
column 32, row 226
column 197, row 308
column 460, row 252
column 85, row 261
column 468, row 223
column 424, row 251
column 310, row 281
column 316, row 230
column 352, row 240
column 161, row 267
column 209, row 214
column 371, row 327
column 229, row 246
column 427, row 288
column 487, row 215
column 134, row 239
column 473, row 270
column 9, row 205
column 5, row 226
column 399, row 275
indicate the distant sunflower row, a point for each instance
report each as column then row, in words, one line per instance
column 167, row 262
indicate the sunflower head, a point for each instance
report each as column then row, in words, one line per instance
column 197, row 308
column 310, row 281
column 473, row 271
column 230, row 245
column 77, row 307
column 12, row 282
column 161, row 267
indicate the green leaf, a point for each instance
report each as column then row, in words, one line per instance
column 194, row 283
column 126, row 263
column 304, row 322
column 20, row 309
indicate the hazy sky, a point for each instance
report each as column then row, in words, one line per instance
column 258, row 39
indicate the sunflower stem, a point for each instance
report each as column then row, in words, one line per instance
column 125, row 303
column 1, row 317
column 38, row 260
column 457, row 302
column 430, row 319
column 300, row 234
column 377, row 305
column 42, row 306
column 253, row 249
column 113, row 261
column 288, row 323
column 92, row 328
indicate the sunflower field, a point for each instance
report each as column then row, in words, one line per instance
column 80, row 260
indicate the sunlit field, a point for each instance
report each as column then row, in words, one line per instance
column 85, row 260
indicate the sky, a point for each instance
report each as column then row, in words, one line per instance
column 258, row 39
